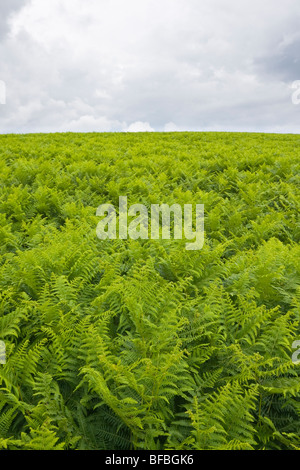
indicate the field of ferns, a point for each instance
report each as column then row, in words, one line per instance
column 142, row 344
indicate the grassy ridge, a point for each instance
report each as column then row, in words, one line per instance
column 142, row 344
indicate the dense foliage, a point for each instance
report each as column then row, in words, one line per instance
column 141, row 344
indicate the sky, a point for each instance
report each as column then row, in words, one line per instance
column 149, row 65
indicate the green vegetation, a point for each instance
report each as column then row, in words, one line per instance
column 141, row 344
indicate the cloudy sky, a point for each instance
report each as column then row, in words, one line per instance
column 144, row 65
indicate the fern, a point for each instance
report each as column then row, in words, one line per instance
column 141, row 344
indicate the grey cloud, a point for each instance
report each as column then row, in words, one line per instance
column 175, row 65
column 7, row 7
column 283, row 63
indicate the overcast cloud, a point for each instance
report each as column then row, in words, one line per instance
column 149, row 65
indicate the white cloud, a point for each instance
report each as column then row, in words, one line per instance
column 139, row 127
